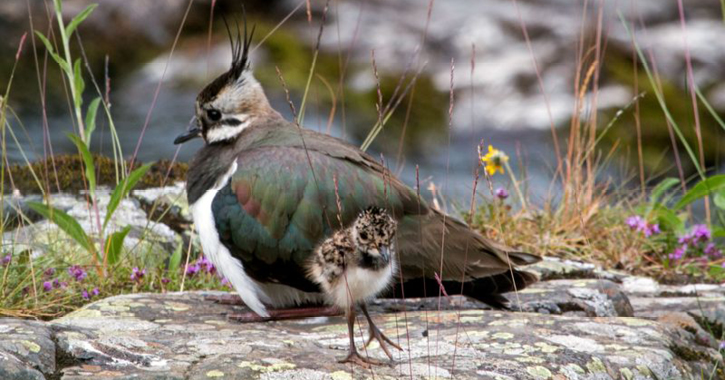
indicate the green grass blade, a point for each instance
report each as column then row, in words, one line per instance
column 661, row 100
column 175, row 260
column 58, row 59
column 122, row 189
column 91, row 119
column 114, row 245
column 79, row 82
column 80, row 17
column 662, row 187
column 66, row 223
column 705, row 187
column 709, row 107
column 88, row 162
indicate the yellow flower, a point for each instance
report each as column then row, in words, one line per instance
column 494, row 160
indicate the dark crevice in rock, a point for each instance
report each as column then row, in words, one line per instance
column 190, row 370
column 716, row 329
column 63, row 359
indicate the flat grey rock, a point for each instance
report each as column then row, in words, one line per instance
column 185, row 336
column 27, row 350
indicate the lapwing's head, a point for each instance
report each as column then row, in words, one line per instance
column 373, row 233
column 232, row 101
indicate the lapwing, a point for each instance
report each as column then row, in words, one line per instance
column 353, row 266
column 264, row 192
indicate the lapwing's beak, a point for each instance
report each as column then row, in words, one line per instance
column 190, row 134
column 385, row 253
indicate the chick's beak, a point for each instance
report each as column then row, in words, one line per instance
column 385, row 253
column 192, row 133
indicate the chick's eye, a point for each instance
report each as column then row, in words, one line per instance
column 364, row 236
column 213, row 115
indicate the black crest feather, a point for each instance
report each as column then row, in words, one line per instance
column 240, row 59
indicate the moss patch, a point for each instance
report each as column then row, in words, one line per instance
column 63, row 173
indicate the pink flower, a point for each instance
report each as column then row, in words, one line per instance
column 652, row 229
column 6, row 260
column 701, row 233
column 77, row 272
column 205, row 264
column 636, row 223
column 712, row 251
column 95, row 292
column 49, row 272
column 165, row 280
column 501, row 193
column 679, row 252
column 192, row 270
column 137, row 275
column 85, row 295
column 47, row 286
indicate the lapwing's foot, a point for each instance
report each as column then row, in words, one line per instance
column 282, row 314
column 225, row 299
column 376, row 334
column 355, row 358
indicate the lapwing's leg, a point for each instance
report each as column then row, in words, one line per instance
column 375, row 333
column 353, row 355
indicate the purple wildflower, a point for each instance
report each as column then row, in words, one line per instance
column 226, row 282
column 679, row 252
column 165, row 280
column 652, row 229
column 95, row 292
column 63, row 284
column 6, row 260
column 636, row 223
column 77, row 272
column 701, row 233
column 501, row 193
column 722, row 343
column 85, row 295
column 712, row 251
column 137, row 274
column 49, row 272
column 56, row 283
column 192, row 270
column 205, row 264
column 47, row 286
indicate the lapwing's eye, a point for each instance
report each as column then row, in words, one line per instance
column 363, row 236
column 213, row 114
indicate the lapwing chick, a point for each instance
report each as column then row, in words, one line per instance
column 353, row 266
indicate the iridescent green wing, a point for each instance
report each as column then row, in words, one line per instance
column 282, row 201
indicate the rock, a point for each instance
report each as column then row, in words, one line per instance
column 184, row 336
column 45, row 236
column 167, row 205
column 26, row 350
column 593, row 298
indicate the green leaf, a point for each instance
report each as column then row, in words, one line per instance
column 122, row 189
column 80, row 84
column 668, row 219
column 662, row 187
column 80, row 17
column 91, row 119
column 705, row 187
column 719, row 200
column 61, row 62
column 88, row 161
column 175, row 260
column 66, row 223
column 114, row 245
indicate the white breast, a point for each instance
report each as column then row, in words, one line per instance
column 230, row 267
column 359, row 284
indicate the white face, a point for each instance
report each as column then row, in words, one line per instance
column 226, row 116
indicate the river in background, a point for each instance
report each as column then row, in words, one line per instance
column 501, row 102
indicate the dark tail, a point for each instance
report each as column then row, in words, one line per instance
column 488, row 290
